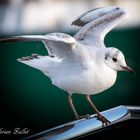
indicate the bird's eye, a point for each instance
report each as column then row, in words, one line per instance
column 114, row 59
column 117, row 8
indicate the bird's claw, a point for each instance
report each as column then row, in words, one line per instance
column 103, row 120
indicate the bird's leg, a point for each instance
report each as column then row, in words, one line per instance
column 74, row 110
column 101, row 117
column 72, row 106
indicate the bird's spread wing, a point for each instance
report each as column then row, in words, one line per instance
column 23, row 38
column 61, row 47
column 57, row 44
column 96, row 23
column 60, row 44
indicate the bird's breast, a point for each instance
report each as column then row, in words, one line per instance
column 105, row 79
column 84, row 81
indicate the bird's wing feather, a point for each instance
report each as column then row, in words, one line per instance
column 23, row 38
column 86, row 17
column 95, row 24
column 61, row 47
column 58, row 44
column 46, row 64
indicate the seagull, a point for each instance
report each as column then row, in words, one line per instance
column 81, row 64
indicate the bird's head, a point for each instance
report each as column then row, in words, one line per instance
column 115, row 59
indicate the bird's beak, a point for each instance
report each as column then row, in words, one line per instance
column 128, row 69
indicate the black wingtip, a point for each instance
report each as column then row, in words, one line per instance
column 28, row 58
column 11, row 39
column 78, row 22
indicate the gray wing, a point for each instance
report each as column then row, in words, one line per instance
column 95, row 24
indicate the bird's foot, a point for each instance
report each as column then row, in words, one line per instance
column 87, row 116
column 103, row 119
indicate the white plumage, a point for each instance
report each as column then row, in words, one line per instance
column 81, row 64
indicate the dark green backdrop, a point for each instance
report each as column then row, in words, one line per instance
column 28, row 99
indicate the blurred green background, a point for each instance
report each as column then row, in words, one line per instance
column 28, row 99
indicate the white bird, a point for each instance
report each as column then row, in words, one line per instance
column 81, row 64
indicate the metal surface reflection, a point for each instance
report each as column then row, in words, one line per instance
column 81, row 127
